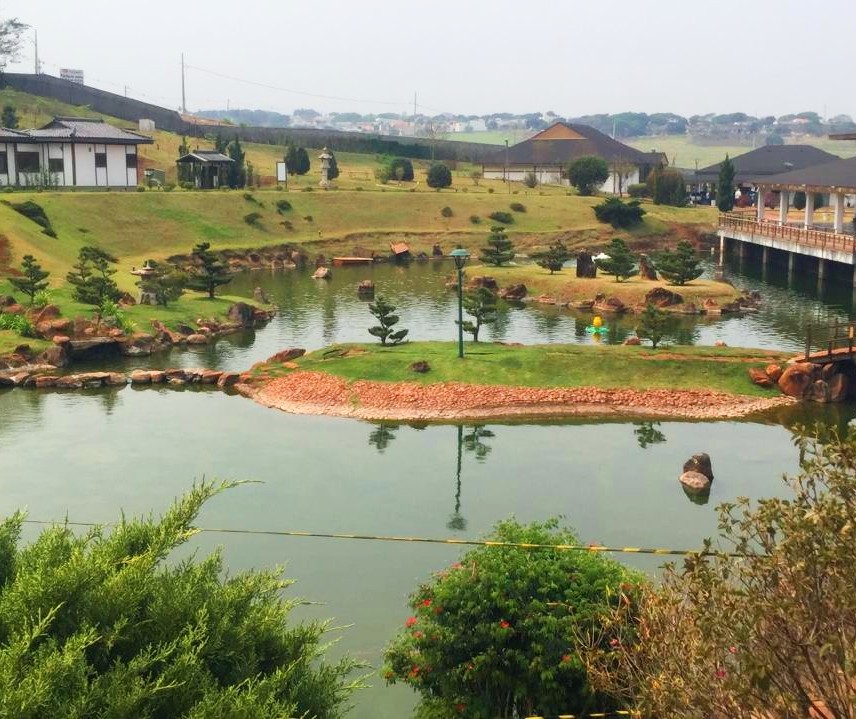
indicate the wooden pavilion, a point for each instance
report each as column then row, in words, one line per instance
column 206, row 169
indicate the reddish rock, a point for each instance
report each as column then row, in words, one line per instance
column 60, row 339
column 322, row 273
column 47, row 313
column 513, row 292
column 839, row 387
column 56, row 355
column 15, row 309
column 141, row 377
column 700, row 463
column 720, row 343
column 608, row 304
column 114, row 379
column 797, row 378
column 483, row 281
column 818, row 391
column 633, row 341
column 175, row 374
column 43, row 381
column 773, row 371
column 116, row 332
column 157, row 376
column 286, row 355
column 228, row 379
column 646, row 270
column 695, row 482
column 241, row 313
column 61, row 325
column 661, row 297
column 759, row 377
column 420, row 366
column 210, row 376
column 71, row 381
column 546, row 300
column 197, row 339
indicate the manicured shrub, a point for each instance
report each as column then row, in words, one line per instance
column 252, row 218
column 490, row 190
column 141, row 188
column 679, row 266
column 653, row 324
column 475, row 219
column 384, row 313
column 439, row 175
column 619, row 214
column 33, row 279
column 554, row 258
column 35, row 212
column 283, row 206
column 209, row 271
column 308, row 218
column 499, row 248
column 400, row 169
column 667, row 186
column 529, row 180
column 621, row 262
column 638, row 190
column 518, row 207
column 446, row 211
column 505, row 218
column 92, row 277
column 588, row 173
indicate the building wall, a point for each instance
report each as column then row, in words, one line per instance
column 84, row 165
column 8, row 178
column 553, row 176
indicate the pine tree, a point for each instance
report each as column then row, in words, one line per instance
column 166, row 284
column 621, row 262
column 221, row 144
column 237, row 170
column 33, row 280
column 334, row 168
column 291, row 158
column 554, row 258
column 499, row 249
column 725, row 186
column 209, row 272
column 383, row 311
column 679, row 266
column 92, row 277
column 303, row 164
column 481, row 304
column 653, row 324
column 10, row 117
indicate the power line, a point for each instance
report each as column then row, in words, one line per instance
column 593, row 548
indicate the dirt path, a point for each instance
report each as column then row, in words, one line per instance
column 322, row 394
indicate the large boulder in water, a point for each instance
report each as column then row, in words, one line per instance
column 700, row 463
column 695, row 482
column 661, row 297
column 513, row 292
column 242, row 314
column 797, row 378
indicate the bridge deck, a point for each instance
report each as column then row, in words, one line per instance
column 839, row 354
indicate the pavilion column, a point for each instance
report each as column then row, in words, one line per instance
column 838, row 211
column 784, row 202
column 759, row 210
column 809, row 209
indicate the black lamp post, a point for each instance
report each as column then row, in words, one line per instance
column 460, row 257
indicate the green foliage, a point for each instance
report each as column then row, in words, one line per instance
column 678, row 266
column 238, row 168
column 554, row 258
column 303, row 165
column 439, row 175
column 588, row 173
column 209, row 271
column 383, row 311
column 112, row 313
column 725, row 186
column 530, row 180
column 653, row 324
column 667, row 186
column 762, row 624
column 17, row 323
column 166, row 284
column 252, row 218
column 646, row 433
column 518, row 207
column 475, row 219
column 92, row 277
column 621, row 262
column 9, row 118
column 35, row 212
column 101, row 624
column 32, row 280
column 447, row 211
column 221, row 144
column 296, row 160
column 618, row 213
column 401, row 169
column 383, row 174
column 492, row 636
column 42, row 298
column 638, row 191
column 799, row 200
column 481, row 304
column 502, row 216
column 499, row 248
column 283, row 206
column 333, row 172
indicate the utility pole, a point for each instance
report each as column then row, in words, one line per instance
column 38, row 64
column 183, row 101
column 414, row 104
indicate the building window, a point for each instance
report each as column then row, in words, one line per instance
column 101, row 159
column 56, row 165
column 131, row 161
column 28, row 162
column 4, row 163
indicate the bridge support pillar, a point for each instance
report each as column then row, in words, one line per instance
column 854, row 278
column 821, row 270
column 741, row 250
column 765, row 262
column 792, row 258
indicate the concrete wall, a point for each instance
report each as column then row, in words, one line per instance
column 8, row 178
column 550, row 176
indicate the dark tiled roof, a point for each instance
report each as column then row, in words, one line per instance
column 81, row 129
column 204, row 156
column 770, row 160
column 5, row 132
column 840, row 174
column 563, row 151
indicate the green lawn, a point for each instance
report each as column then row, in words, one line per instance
column 607, row 366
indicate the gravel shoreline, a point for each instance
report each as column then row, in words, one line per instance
column 317, row 393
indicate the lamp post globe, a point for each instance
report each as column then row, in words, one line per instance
column 460, row 257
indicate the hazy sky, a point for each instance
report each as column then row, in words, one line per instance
column 571, row 56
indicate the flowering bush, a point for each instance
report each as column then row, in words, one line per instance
column 493, row 635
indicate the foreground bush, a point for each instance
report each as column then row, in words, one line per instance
column 492, row 637
column 618, row 213
column 439, row 175
column 100, row 625
column 768, row 633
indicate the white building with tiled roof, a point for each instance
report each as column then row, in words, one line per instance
column 71, row 152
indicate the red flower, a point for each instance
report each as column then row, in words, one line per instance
column 566, row 658
column 426, row 602
column 460, row 707
column 437, row 610
column 410, row 622
column 414, row 672
column 418, row 635
column 613, row 643
column 721, row 673
column 504, row 624
column 457, row 565
column 732, row 650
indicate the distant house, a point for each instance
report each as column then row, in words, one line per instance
column 71, row 152
column 206, row 169
column 548, row 154
column 752, row 167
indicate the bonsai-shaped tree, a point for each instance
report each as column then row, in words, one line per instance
column 554, row 258
column 383, row 311
column 33, row 279
column 166, row 284
column 493, row 636
column 439, row 175
column 653, row 324
column 588, row 173
column 210, row 272
column 621, row 262
column 481, row 304
column 92, row 277
column 618, row 213
column 678, row 266
column 499, row 249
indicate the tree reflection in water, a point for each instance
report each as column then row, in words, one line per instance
column 647, row 433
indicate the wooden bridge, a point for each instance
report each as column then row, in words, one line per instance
column 838, row 342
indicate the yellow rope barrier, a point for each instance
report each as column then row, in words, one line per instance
column 420, row 540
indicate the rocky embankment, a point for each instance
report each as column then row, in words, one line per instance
column 42, row 377
column 809, row 382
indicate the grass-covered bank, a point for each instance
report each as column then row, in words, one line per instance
column 720, row 369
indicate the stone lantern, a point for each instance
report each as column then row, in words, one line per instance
column 325, row 158
column 146, row 271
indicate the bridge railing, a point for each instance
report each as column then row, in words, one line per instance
column 808, row 236
column 839, row 339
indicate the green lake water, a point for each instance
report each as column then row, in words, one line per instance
column 136, row 450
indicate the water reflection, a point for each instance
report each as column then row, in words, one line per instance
column 647, row 433
column 457, row 523
column 473, row 441
column 382, row 435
